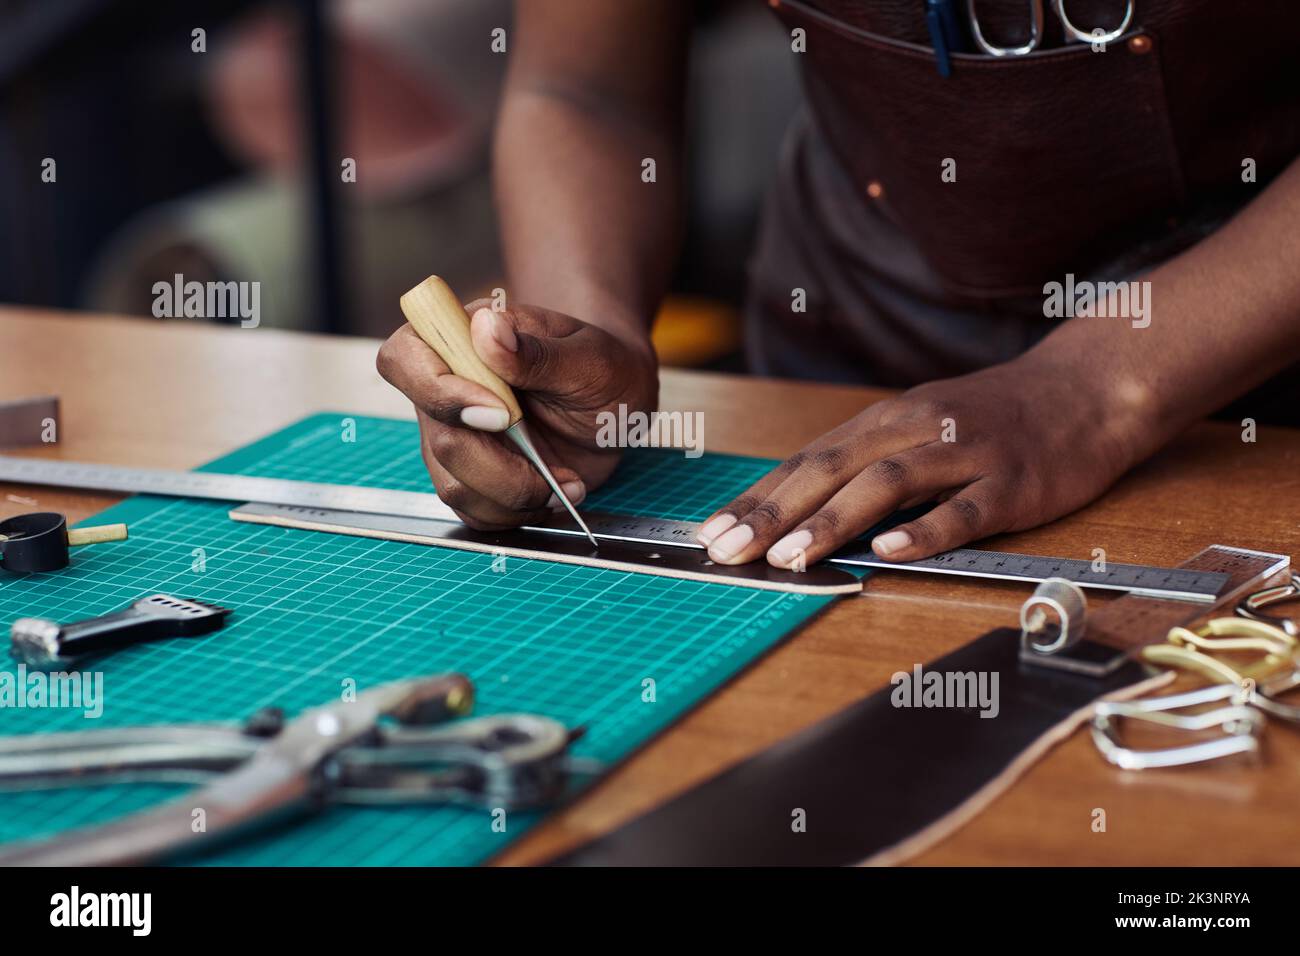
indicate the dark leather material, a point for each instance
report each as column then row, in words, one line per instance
column 1065, row 155
column 866, row 779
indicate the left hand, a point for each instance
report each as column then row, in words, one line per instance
column 1003, row 449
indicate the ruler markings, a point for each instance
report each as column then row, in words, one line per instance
column 1151, row 581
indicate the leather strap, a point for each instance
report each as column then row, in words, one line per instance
column 868, row 778
column 878, row 783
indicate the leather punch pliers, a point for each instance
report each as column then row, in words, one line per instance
column 380, row 748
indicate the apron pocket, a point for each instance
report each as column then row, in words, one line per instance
column 1056, row 155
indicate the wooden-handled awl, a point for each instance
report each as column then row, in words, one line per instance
column 440, row 320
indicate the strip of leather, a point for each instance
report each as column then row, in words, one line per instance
column 889, row 776
column 865, row 779
column 1131, row 622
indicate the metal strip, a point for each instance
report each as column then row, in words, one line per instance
column 1167, row 583
column 638, row 557
column 1154, row 582
column 220, row 487
column 1144, row 580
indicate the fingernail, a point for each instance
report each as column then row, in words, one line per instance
column 731, row 543
column 501, row 330
column 714, row 528
column 789, row 547
column 891, row 541
column 575, row 491
column 485, row 418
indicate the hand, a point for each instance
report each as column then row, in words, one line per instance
column 564, row 373
column 1027, row 442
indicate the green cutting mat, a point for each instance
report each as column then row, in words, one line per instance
column 315, row 609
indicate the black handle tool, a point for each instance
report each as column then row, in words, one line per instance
column 42, row 643
column 39, row 541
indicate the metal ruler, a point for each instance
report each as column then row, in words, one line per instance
column 340, row 507
column 200, row 484
column 1138, row 579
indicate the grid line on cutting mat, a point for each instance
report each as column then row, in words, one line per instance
column 314, row 609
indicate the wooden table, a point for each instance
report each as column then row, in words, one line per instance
column 174, row 394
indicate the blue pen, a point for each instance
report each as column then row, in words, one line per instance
column 946, row 33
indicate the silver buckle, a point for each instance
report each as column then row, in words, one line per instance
column 1241, row 726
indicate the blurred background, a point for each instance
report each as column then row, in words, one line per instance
column 206, row 138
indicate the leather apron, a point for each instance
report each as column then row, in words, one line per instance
column 1066, row 161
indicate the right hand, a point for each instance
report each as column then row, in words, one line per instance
column 564, row 373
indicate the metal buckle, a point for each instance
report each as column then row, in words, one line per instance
column 1249, row 606
column 1276, row 672
column 1241, row 726
column 1251, row 688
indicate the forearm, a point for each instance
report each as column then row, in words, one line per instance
column 583, row 232
column 1225, row 316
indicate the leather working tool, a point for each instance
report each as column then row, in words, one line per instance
column 880, row 783
column 39, row 541
column 41, row 642
column 346, row 752
column 439, row 319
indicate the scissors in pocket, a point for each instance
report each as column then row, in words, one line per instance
column 1036, row 22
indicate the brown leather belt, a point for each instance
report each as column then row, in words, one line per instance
column 878, row 783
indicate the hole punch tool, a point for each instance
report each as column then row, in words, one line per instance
column 439, row 319
column 380, row 748
column 43, row 643
column 40, row 541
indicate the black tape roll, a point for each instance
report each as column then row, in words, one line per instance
column 34, row 542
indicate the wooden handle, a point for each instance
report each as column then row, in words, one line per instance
column 97, row 534
column 440, row 320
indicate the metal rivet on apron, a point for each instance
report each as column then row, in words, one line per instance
column 874, row 189
column 1140, row 44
